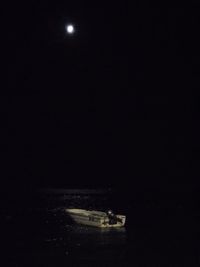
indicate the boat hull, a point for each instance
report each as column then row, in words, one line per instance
column 95, row 218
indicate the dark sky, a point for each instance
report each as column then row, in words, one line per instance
column 114, row 104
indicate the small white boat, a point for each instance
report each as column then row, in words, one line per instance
column 96, row 218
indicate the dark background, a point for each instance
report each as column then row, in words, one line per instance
column 114, row 105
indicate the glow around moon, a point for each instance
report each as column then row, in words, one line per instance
column 70, row 29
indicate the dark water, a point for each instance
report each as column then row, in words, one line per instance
column 161, row 230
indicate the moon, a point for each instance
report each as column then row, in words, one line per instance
column 69, row 28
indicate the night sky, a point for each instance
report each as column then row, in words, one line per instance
column 114, row 104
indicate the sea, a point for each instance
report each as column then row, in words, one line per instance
column 161, row 229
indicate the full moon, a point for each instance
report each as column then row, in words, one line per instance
column 70, row 29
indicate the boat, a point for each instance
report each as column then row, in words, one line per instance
column 96, row 218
